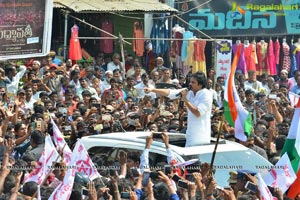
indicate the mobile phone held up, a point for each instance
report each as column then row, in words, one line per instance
column 157, row 135
column 145, row 179
column 85, row 191
column 125, row 195
column 183, row 184
column 251, row 186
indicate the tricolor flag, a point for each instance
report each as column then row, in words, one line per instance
column 292, row 148
column 282, row 175
column 235, row 114
column 60, row 142
column 44, row 164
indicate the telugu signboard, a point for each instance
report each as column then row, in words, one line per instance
column 223, row 58
column 243, row 17
column 25, row 28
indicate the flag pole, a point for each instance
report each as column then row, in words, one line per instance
column 216, row 146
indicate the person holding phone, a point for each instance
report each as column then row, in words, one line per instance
column 199, row 104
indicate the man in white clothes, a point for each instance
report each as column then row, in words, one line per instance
column 199, row 103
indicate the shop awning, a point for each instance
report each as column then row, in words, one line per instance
column 87, row 6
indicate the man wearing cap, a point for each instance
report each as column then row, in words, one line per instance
column 232, row 181
column 243, row 176
column 283, row 79
column 106, row 83
column 252, row 83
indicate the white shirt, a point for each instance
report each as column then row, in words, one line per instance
column 141, row 93
column 111, row 66
column 254, row 86
column 214, row 94
column 29, row 104
column 12, row 85
column 199, row 128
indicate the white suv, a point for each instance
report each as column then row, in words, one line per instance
column 230, row 155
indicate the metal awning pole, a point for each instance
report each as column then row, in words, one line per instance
column 66, row 35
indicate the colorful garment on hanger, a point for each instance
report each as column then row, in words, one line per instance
column 177, row 44
column 107, row 45
column 199, row 56
column 293, row 62
column 261, row 67
column 189, row 61
column 159, row 31
column 286, row 56
column 277, row 51
column 138, row 32
column 249, row 59
column 186, row 35
column 297, row 54
column 241, row 65
column 75, row 49
column 271, row 62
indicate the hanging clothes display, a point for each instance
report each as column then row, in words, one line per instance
column 199, row 56
column 186, row 36
column 249, row 59
column 241, row 65
column 138, row 32
column 159, row 31
column 297, row 53
column 261, row 67
column 277, row 54
column 286, row 56
column 189, row 61
column 75, row 49
column 107, row 45
column 177, row 44
column 271, row 62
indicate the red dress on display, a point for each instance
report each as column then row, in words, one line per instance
column 138, row 32
column 250, row 60
column 75, row 49
column 277, row 51
column 261, row 67
column 271, row 62
column 107, row 45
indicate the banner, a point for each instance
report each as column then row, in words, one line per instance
column 25, row 28
column 223, row 58
column 243, row 17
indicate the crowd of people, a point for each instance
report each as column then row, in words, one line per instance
column 108, row 96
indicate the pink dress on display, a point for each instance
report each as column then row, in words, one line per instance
column 286, row 56
column 271, row 62
column 261, row 67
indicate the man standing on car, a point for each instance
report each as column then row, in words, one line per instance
column 199, row 103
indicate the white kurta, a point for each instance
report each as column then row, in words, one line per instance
column 198, row 128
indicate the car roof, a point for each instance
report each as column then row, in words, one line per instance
column 231, row 156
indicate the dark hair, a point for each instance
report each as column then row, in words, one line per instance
column 9, row 183
column 29, row 188
column 18, row 126
column 161, row 191
column 201, row 78
column 249, row 91
column 262, row 122
column 135, row 156
column 38, row 109
column 283, row 86
column 38, row 137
